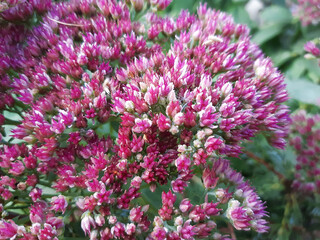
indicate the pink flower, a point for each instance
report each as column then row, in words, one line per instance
column 187, row 231
column 185, row 205
column 30, row 162
column 211, row 209
column 130, row 228
column 183, row 163
column 159, row 233
column 173, row 108
column 35, row 194
column 178, row 185
column 86, row 222
column 168, row 200
column 7, row 229
column 152, row 95
column 112, row 108
column 307, row 11
column 17, row 168
column 47, row 232
column 312, row 48
column 137, row 144
column 212, row 144
column 141, row 125
column 197, row 214
column 239, row 216
column 161, row 4
column 59, row 203
column 209, row 178
column 37, row 212
column 163, row 123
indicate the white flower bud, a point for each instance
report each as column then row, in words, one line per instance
column 201, row 134
column 182, row 148
column 226, row 89
column 139, row 157
column 208, row 131
column 178, row 221
column 211, row 39
column 174, row 130
column 129, row 106
column 197, row 143
column 239, row 193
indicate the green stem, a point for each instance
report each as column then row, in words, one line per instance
column 11, row 122
column 266, row 164
column 286, row 215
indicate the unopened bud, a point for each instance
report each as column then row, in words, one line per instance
column 137, row 4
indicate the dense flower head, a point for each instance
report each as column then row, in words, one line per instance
column 115, row 109
column 305, row 138
column 308, row 11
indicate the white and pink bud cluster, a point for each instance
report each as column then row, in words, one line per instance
column 308, row 11
column 110, row 110
column 313, row 49
column 305, row 138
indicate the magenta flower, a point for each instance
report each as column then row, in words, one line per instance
column 87, row 222
column 8, row 229
column 307, row 11
column 313, row 49
column 110, row 110
column 209, row 178
column 35, row 194
column 305, row 138
column 59, row 203
column 239, row 216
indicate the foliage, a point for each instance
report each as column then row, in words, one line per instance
column 116, row 125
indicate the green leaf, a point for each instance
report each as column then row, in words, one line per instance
column 304, row 91
column 22, row 220
column 298, row 46
column 281, row 57
column 153, row 198
column 103, row 130
column 240, row 15
column 297, row 68
column 83, row 143
column 278, row 2
column 74, row 238
column 177, row 6
column 11, row 115
column 265, row 34
column 273, row 19
column 196, row 191
column 275, row 15
column 296, row 217
column 311, row 32
column 313, row 68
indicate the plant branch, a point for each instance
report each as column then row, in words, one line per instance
column 231, row 231
column 266, row 164
column 67, row 24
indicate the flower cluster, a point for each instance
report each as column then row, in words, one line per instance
column 308, row 11
column 305, row 139
column 6, row 4
column 115, row 109
column 22, row 10
column 313, row 49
